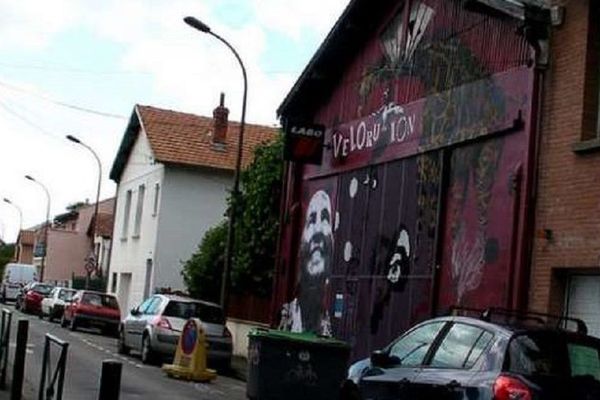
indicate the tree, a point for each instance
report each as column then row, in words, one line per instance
column 256, row 231
column 6, row 255
column 258, row 221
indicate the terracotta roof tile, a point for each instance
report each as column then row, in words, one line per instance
column 186, row 139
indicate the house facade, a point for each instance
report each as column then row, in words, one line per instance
column 173, row 172
column 70, row 242
column 422, row 198
column 566, row 255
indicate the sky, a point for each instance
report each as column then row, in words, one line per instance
column 78, row 67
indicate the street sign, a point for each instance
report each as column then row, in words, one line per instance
column 40, row 250
column 90, row 263
column 304, row 142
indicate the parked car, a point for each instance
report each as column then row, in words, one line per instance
column 30, row 298
column 54, row 305
column 90, row 309
column 525, row 357
column 154, row 328
column 14, row 278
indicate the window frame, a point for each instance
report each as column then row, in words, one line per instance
column 156, row 199
column 127, row 214
column 139, row 211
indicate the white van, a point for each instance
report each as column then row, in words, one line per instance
column 15, row 277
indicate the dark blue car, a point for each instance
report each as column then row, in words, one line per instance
column 523, row 357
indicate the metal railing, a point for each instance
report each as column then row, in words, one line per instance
column 56, row 378
column 4, row 340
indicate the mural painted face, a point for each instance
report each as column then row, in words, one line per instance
column 399, row 263
column 317, row 237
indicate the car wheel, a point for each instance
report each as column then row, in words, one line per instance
column 148, row 355
column 73, row 324
column 121, row 346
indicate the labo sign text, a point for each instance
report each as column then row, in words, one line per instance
column 391, row 124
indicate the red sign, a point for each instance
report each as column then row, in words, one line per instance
column 304, row 143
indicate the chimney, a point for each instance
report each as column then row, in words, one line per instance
column 220, row 115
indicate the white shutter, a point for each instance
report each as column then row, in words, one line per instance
column 584, row 301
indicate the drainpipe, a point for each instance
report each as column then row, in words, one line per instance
column 538, row 36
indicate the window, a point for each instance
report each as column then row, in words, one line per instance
column 113, row 285
column 186, row 310
column 461, row 347
column 153, row 307
column 139, row 210
column 100, row 300
column 126, row 214
column 412, row 348
column 156, row 197
column 66, row 294
column 144, row 306
column 584, row 360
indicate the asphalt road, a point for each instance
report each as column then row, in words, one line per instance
column 87, row 350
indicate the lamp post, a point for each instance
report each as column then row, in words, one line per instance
column 7, row 201
column 43, row 262
column 95, row 217
column 196, row 24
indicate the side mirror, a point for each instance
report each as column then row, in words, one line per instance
column 382, row 359
column 135, row 311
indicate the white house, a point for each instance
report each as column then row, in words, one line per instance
column 173, row 171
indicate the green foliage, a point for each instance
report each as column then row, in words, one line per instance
column 257, row 223
column 6, row 255
column 202, row 272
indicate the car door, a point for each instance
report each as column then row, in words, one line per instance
column 134, row 324
column 405, row 357
column 448, row 372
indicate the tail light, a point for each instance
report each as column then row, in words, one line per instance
column 510, row 388
column 162, row 322
column 226, row 333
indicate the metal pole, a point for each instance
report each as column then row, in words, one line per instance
column 46, row 355
column 229, row 247
column 110, row 380
column 6, row 325
column 95, row 217
column 19, row 365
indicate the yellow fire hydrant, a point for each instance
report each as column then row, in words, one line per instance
column 190, row 356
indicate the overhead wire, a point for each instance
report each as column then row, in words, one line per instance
column 62, row 103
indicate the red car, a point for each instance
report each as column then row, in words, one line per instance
column 31, row 300
column 91, row 309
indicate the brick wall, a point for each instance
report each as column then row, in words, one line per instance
column 568, row 202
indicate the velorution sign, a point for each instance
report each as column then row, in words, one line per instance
column 304, row 142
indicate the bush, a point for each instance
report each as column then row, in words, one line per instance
column 202, row 272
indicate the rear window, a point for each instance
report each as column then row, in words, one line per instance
column 554, row 354
column 100, row 300
column 186, row 310
column 42, row 289
column 66, row 294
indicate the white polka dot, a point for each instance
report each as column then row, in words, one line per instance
column 347, row 251
column 353, row 187
column 336, row 224
column 374, row 183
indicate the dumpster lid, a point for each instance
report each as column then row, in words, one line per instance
column 304, row 337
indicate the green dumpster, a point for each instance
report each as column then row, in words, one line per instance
column 290, row 366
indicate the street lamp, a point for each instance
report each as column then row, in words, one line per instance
column 43, row 263
column 202, row 27
column 95, row 217
column 7, row 201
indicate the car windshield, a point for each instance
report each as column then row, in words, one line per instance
column 42, row 289
column 186, row 310
column 553, row 354
column 66, row 294
column 100, row 300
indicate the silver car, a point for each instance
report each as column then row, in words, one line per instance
column 154, row 327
